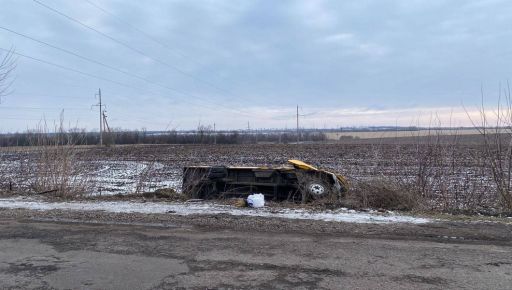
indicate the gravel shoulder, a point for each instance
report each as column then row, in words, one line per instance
column 497, row 232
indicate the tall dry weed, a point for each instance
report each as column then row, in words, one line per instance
column 495, row 126
column 52, row 165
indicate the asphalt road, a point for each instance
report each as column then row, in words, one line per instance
column 110, row 255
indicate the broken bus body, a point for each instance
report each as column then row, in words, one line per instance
column 297, row 181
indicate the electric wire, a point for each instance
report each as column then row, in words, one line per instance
column 42, row 108
column 116, row 69
column 129, row 46
column 220, row 89
column 147, row 35
column 21, row 119
column 109, row 66
column 104, row 79
column 36, row 95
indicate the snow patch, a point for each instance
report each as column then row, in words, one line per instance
column 123, row 177
column 181, row 208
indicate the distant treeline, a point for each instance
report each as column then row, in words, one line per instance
column 171, row 137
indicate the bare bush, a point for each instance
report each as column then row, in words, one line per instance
column 51, row 165
column 192, row 182
column 446, row 175
column 382, row 193
column 7, row 184
column 146, row 178
column 497, row 146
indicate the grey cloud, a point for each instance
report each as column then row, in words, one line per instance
column 262, row 54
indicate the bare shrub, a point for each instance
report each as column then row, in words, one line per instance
column 193, row 183
column 146, row 178
column 447, row 175
column 497, row 146
column 7, row 185
column 303, row 180
column 382, row 193
column 7, row 66
column 52, row 165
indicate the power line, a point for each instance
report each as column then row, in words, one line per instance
column 69, row 69
column 100, row 105
column 298, row 135
column 129, row 46
column 147, row 35
column 40, row 108
column 220, row 89
column 108, row 80
column 22, row 119
column 47, row 96
column 152, row 38
column 103, row 64
column 73, row 53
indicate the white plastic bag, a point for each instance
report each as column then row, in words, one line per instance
column 256, row 200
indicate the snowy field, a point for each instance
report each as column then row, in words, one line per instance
column 108, row 177
column 179, row 208
column 123, row 177
column 459, row 182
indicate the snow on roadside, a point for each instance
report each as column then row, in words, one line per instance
column 180, row 208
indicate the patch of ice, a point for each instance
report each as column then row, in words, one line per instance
column 181, row 208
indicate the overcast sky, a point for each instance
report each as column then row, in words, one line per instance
column 345, row 63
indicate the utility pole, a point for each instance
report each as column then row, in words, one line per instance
column 214, row 134
column 101, row 118
column 107, row 128
column 100, row 105
column 298, row 136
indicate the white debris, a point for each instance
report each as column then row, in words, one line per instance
column 256, row 200
column 179, row 208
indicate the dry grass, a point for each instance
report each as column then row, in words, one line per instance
column 192, row 182
column 52, row 167
column 146, row 178
column 382, row 194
